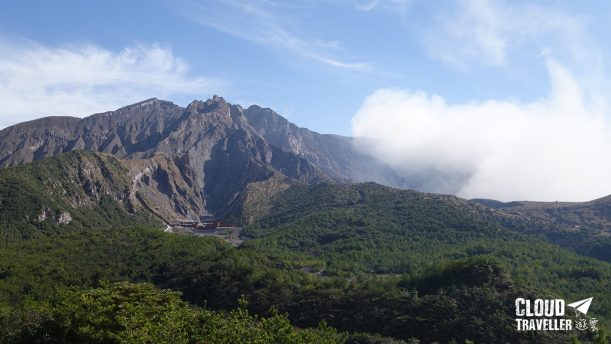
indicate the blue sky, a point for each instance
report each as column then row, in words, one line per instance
column 313, row 61
column 441, row 76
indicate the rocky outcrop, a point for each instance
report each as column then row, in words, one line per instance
column 64, row 218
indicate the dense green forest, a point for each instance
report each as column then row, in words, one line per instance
column 376, row 264
column 371, row 229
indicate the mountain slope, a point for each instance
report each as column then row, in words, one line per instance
column 121, row 132
column 333, row 154
column 582, row 226
column 594, row 214
column 78, row 185
column 78, row 189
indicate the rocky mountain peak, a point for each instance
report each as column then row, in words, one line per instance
column 216, row 111
column 216, row 97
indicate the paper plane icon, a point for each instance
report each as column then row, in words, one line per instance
column 581, row 306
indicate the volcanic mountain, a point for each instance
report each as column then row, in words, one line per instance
column 206, row 159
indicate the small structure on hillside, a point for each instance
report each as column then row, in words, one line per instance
column 201, row 225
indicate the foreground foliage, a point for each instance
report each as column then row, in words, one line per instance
column 140, row 313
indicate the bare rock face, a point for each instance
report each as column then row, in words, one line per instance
column 193, row 161
column 34, row 140
column 159, row 185
column 43, row 215
column 64, row 218
column 334, row 155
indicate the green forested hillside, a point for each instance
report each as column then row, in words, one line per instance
column 363, row 229
column 379, row 264
column 368, row 228
column 93, row 189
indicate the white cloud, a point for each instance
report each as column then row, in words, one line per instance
column 485, row 32
column 263, row 22
column 554, row 148
column 37, row 80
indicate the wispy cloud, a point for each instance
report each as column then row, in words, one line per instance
column 265, row 23
column 394, row 5
column 485, row 32
column 37, row 80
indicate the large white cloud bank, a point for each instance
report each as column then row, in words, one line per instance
column 554, row 148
